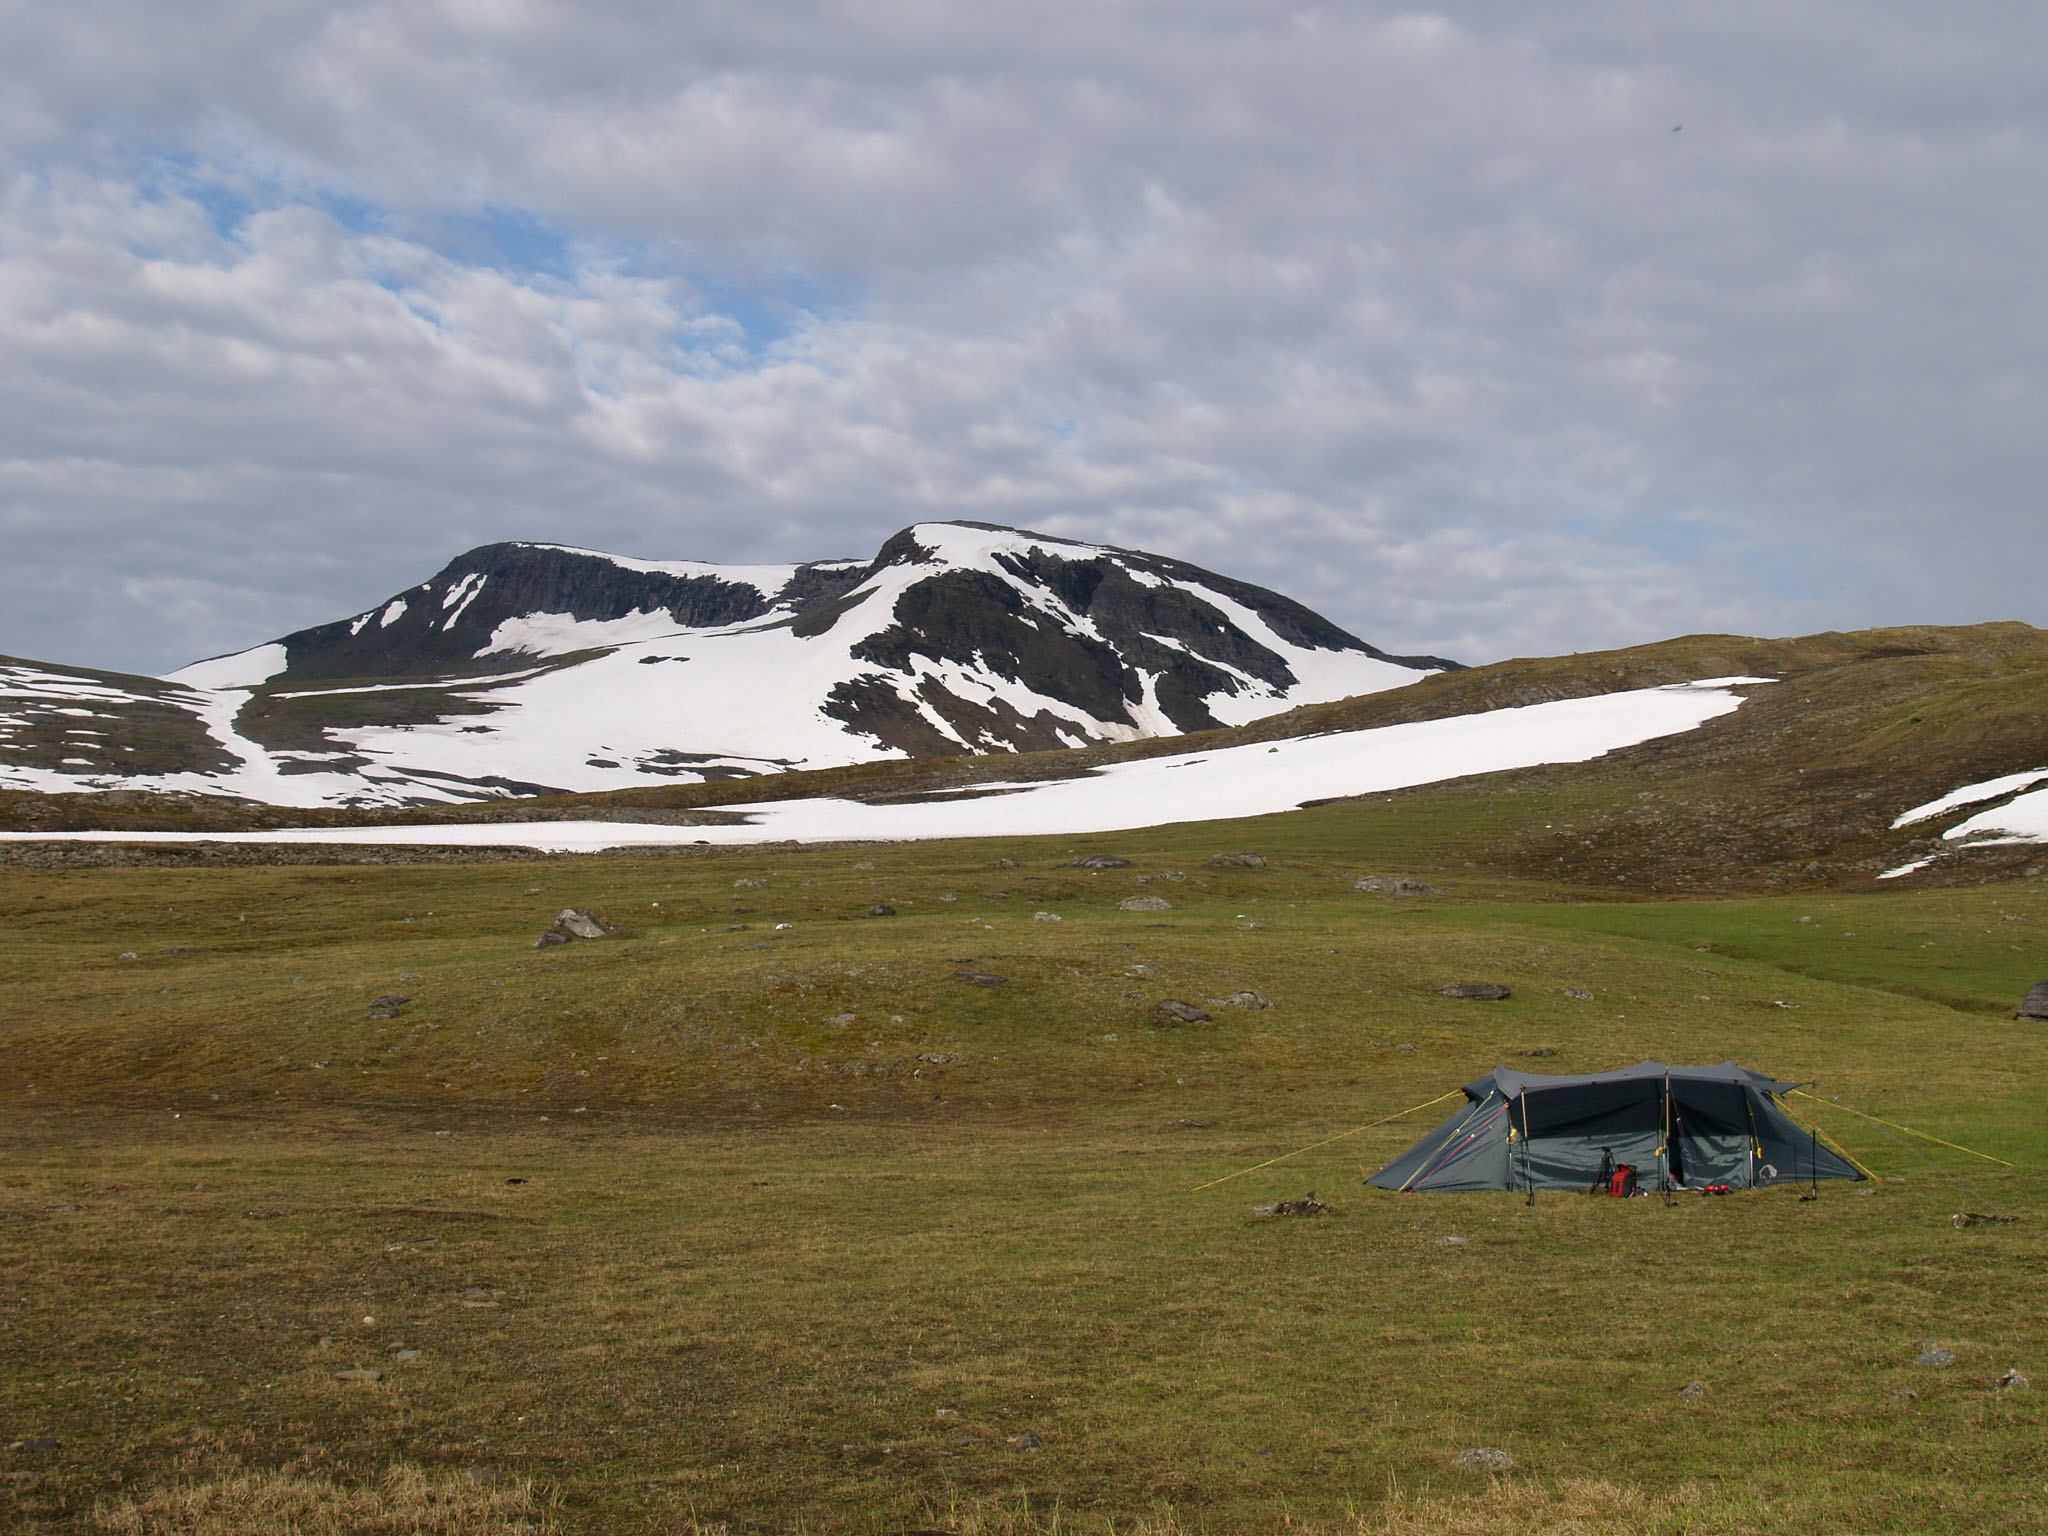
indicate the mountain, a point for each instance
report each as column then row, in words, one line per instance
column 534, row 668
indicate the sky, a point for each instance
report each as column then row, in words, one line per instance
column 1504, row 330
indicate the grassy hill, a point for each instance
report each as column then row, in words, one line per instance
column 724, row 1223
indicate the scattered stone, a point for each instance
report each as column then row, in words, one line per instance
column 938, row 1058
column 998, row 864
column 1541, row 1050
column 391, row 1004
column 1477, row 991
column 1237, row 861
column 749, row 885
column 1452, row 1241
column 1045, row 917
column 35, row 1447
column 1580, row 993
column 1099, row 861
column 1173, row 874
column 1140, row 969
column 360, row 1374
column 944, row 896
column 865, row 864
column 580, row 925
column 1963, row 1219
column 1245, row 999
column 841, row 1020
column 551, row 938
column 1185, row 1124
column 1028, row 1441
column 881, row 909
column 1144, row 904
column 408, row 1354
column 1904, row 1394
column 515, row 1181
column 1404, row 1047
column 1307, row 1205
column 2011, row 1381
column 2033, row 1006
column 1250, row 927
column 1394, row 885
column 1935, row 1359
column 1483, row 1458
column 1183, row 1013
column 128, row 954
column 983, row 978
column 1693, row 1391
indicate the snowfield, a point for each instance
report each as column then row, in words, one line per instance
column 2023, row 818
column 1214, row 785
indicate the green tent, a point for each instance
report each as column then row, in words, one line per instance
column 1678, row 1127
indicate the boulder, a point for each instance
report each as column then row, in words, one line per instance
column 1237, row 861
column 1476, row 991
column 1099, row 861
column 551, row 938
column 1935, row 1359
column 580, row 925
column 1173, row 1010
column 983, row 978
column 1394, row 885
column 1144, row 904
column 2035, row 1004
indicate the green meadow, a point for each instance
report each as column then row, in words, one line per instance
column 758, row 1215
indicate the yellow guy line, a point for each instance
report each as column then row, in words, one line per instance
column 1906, row 1128
column 1269, row 1162
column 1821, row 1131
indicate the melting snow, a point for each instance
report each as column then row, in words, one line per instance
column 1972, row 794
column 1238, row 781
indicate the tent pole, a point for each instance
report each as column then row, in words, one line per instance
column 1527, row 1177
column 1664, row 1152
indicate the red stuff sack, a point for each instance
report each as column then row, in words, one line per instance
column 1623, row 1184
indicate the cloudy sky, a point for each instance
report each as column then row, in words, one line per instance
column 1512, row 329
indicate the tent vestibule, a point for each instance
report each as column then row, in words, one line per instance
column 1678, row 1127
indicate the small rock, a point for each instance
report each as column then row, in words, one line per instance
column 748, row 885
column 1144, row 904
column 1904, row 1394
column 1483, row 1458
column 1173, row 874
column 1183, row 1013
column 1404, row 1047
column 1452, row 1241
column 1394, row 885
column 1935, row 1359
column 392, row 1001
column 1237, row 861
column 997, row 864
column 1099, row 861
column 881, row 909
column 1045, row 917
column 1307, row 1205
column 841, row 1020
column 865, row 864
column 580, row 925
column 1476, row 991
column 551, row 938
column 1580, row 993
column 2011, row 1381
column 1140, row 969
column 1693, row 1391
column 1245, row 999
column 128, row 954
column 1963, row 1219
column 938, row 1058
column 949, row 1413
column 408, row 1354
column 2033, row 1006
column 1250, row 927
column 983, row 978
column 946, row 896
column 1028, row 1441
column 360, row 1374
column 1541, row 1050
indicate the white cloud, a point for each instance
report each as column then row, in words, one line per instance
column 1518, row 329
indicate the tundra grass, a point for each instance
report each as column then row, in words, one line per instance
column 720, row 1221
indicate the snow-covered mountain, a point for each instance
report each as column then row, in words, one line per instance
column 522, row 668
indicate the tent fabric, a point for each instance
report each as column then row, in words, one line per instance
column 1679, row 1127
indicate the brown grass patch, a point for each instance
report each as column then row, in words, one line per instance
column 408, row 1501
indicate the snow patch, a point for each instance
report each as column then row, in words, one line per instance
column 244, row 669
column 1972, row 794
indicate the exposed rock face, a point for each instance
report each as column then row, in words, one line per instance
column 2035, row 1004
